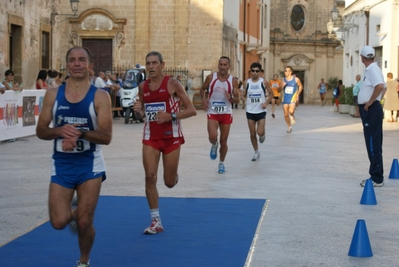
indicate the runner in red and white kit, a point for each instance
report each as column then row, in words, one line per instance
column 222, row 91
column 159, row 100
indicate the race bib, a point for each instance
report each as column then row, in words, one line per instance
column 289, row 90
column 81, row 145
column 255, row 98
column 151, row 110
column 219, row 106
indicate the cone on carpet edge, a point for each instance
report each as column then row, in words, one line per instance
column 360, row 245
column 368, row 196
column 394, row 173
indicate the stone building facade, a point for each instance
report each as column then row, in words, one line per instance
column 299, row 39
column 36, row 34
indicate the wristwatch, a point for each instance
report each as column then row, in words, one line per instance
column 82, row 133
column 174, row 116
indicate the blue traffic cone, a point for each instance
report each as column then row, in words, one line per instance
column 360, row 245
column 368, row 196
column 394, row 173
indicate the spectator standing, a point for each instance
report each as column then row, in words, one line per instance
column 9, row 83
column 190, row 89
column 355, row 91
column 391, row 100
column 41, row 80
column 369, row 97
column 336, row 93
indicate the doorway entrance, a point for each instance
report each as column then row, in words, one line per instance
column 102, row 53
column 301, row 76
column 15, row 56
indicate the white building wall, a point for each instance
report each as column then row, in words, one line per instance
column 383, row 36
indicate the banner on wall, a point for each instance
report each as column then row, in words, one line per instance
column 19, row 112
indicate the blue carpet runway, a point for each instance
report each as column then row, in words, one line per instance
column 198, row 232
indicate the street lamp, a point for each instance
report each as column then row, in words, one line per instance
column 74, row 6
column 334, row 13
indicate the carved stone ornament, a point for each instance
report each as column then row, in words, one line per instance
column 73, row 37
column 120, row 39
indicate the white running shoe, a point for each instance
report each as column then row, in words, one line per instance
column 82, row 264
column 262, row 138
column 292, row 120
column 256, row 156
column 214, row 150
column 155, row 227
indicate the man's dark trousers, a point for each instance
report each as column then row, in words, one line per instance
column 372, row 129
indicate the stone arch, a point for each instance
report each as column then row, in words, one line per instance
column 98, row 23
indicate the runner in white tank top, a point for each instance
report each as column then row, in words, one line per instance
column 255, row 92
column 223, row 90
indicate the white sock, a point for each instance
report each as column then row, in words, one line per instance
column 155, row 214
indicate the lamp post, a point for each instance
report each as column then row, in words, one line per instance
column 334, row 13
column 74, row 6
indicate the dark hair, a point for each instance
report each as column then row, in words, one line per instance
column 8, row 72
column 49, row 72
column 340, row 82
column 289, row 67
column 256, row 65
column 42, row 75
column 155, row 53
column 225, row 57
column 59, row 74
column 89, row 54
column 54, row 74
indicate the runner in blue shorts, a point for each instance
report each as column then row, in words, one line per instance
column 80, row 115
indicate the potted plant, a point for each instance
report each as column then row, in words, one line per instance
column 344, row 100
column 331, row 84
column 349, row 100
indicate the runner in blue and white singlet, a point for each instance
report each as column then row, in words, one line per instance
column 87, row 157
column 292, row 87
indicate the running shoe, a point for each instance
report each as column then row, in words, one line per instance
column 155, row 227
column 363, row 184
column 256, row 156
column 262, row 138
column 273, row 115
column 82, row 264
column 73, row 225
column 221, row 168
column 214, row 150
column 292, row 120
column 289, row 129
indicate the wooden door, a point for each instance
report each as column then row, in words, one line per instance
column 102, row 53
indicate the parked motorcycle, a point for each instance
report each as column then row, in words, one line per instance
column 129, row 93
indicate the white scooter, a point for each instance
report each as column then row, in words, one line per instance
column 129, row 93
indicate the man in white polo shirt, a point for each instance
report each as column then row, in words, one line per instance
column 369, row 97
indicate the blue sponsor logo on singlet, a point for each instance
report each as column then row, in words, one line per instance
column 254, row 95
column 219, row 103
column 151, row 107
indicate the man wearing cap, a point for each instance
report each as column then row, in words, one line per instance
column 369, row 97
